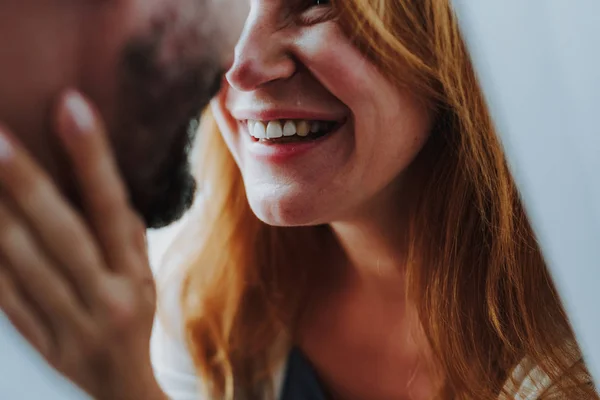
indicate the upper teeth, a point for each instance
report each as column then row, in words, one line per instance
column 277, row 129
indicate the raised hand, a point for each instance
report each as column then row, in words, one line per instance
column 77, row 283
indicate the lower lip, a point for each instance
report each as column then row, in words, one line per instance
column 282, row 152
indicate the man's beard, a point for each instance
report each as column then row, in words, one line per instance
column 158, row 105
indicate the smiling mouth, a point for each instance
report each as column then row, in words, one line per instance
column 289, row 131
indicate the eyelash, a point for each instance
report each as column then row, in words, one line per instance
column 324, row 12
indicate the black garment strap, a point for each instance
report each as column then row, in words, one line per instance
column 301, row 381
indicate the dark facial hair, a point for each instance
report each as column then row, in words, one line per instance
column 157, row 103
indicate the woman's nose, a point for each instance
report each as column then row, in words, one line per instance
column 261, row 56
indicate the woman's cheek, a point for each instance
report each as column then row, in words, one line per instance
column 339, row 66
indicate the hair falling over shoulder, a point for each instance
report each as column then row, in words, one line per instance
column 485, row 298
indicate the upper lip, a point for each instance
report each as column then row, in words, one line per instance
column 283, row 114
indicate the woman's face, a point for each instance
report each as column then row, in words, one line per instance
column 318, row 133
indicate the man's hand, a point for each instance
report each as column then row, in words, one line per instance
column 78, row 287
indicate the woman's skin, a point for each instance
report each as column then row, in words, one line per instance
column 77, row 286
column 352, row 180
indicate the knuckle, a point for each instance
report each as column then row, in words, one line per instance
column 16, row 245
column 78, row 349
column 122, row 316
column 33, row 190
column 120, row 306
column 85, row 252
column 89, row 260
column 12, row 234
column 61, row 298
column 91, row 343
column 108, row 201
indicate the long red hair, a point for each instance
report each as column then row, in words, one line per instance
column 484, row 295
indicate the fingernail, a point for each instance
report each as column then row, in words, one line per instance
column 80, row 111
column 6, row 149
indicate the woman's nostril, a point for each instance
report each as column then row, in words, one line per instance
column 251, row 73
column 244, row 75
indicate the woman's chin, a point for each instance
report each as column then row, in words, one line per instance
column 286, row 211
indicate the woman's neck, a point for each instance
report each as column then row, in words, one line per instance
column 361, row 334
column 373, row 241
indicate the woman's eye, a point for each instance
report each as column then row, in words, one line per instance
column 316, row 11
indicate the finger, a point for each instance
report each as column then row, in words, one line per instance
column 22, row 316
column 39, row 279
column 102, row 189
column 59, row 228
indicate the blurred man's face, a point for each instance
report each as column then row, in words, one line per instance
column 150, row 66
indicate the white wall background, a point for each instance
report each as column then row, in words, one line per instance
column 539, row 63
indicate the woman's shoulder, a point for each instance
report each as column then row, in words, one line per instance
column 173, row 364
column 172, row 361
column 529, row 381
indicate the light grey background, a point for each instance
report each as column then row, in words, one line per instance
column 539, row 61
